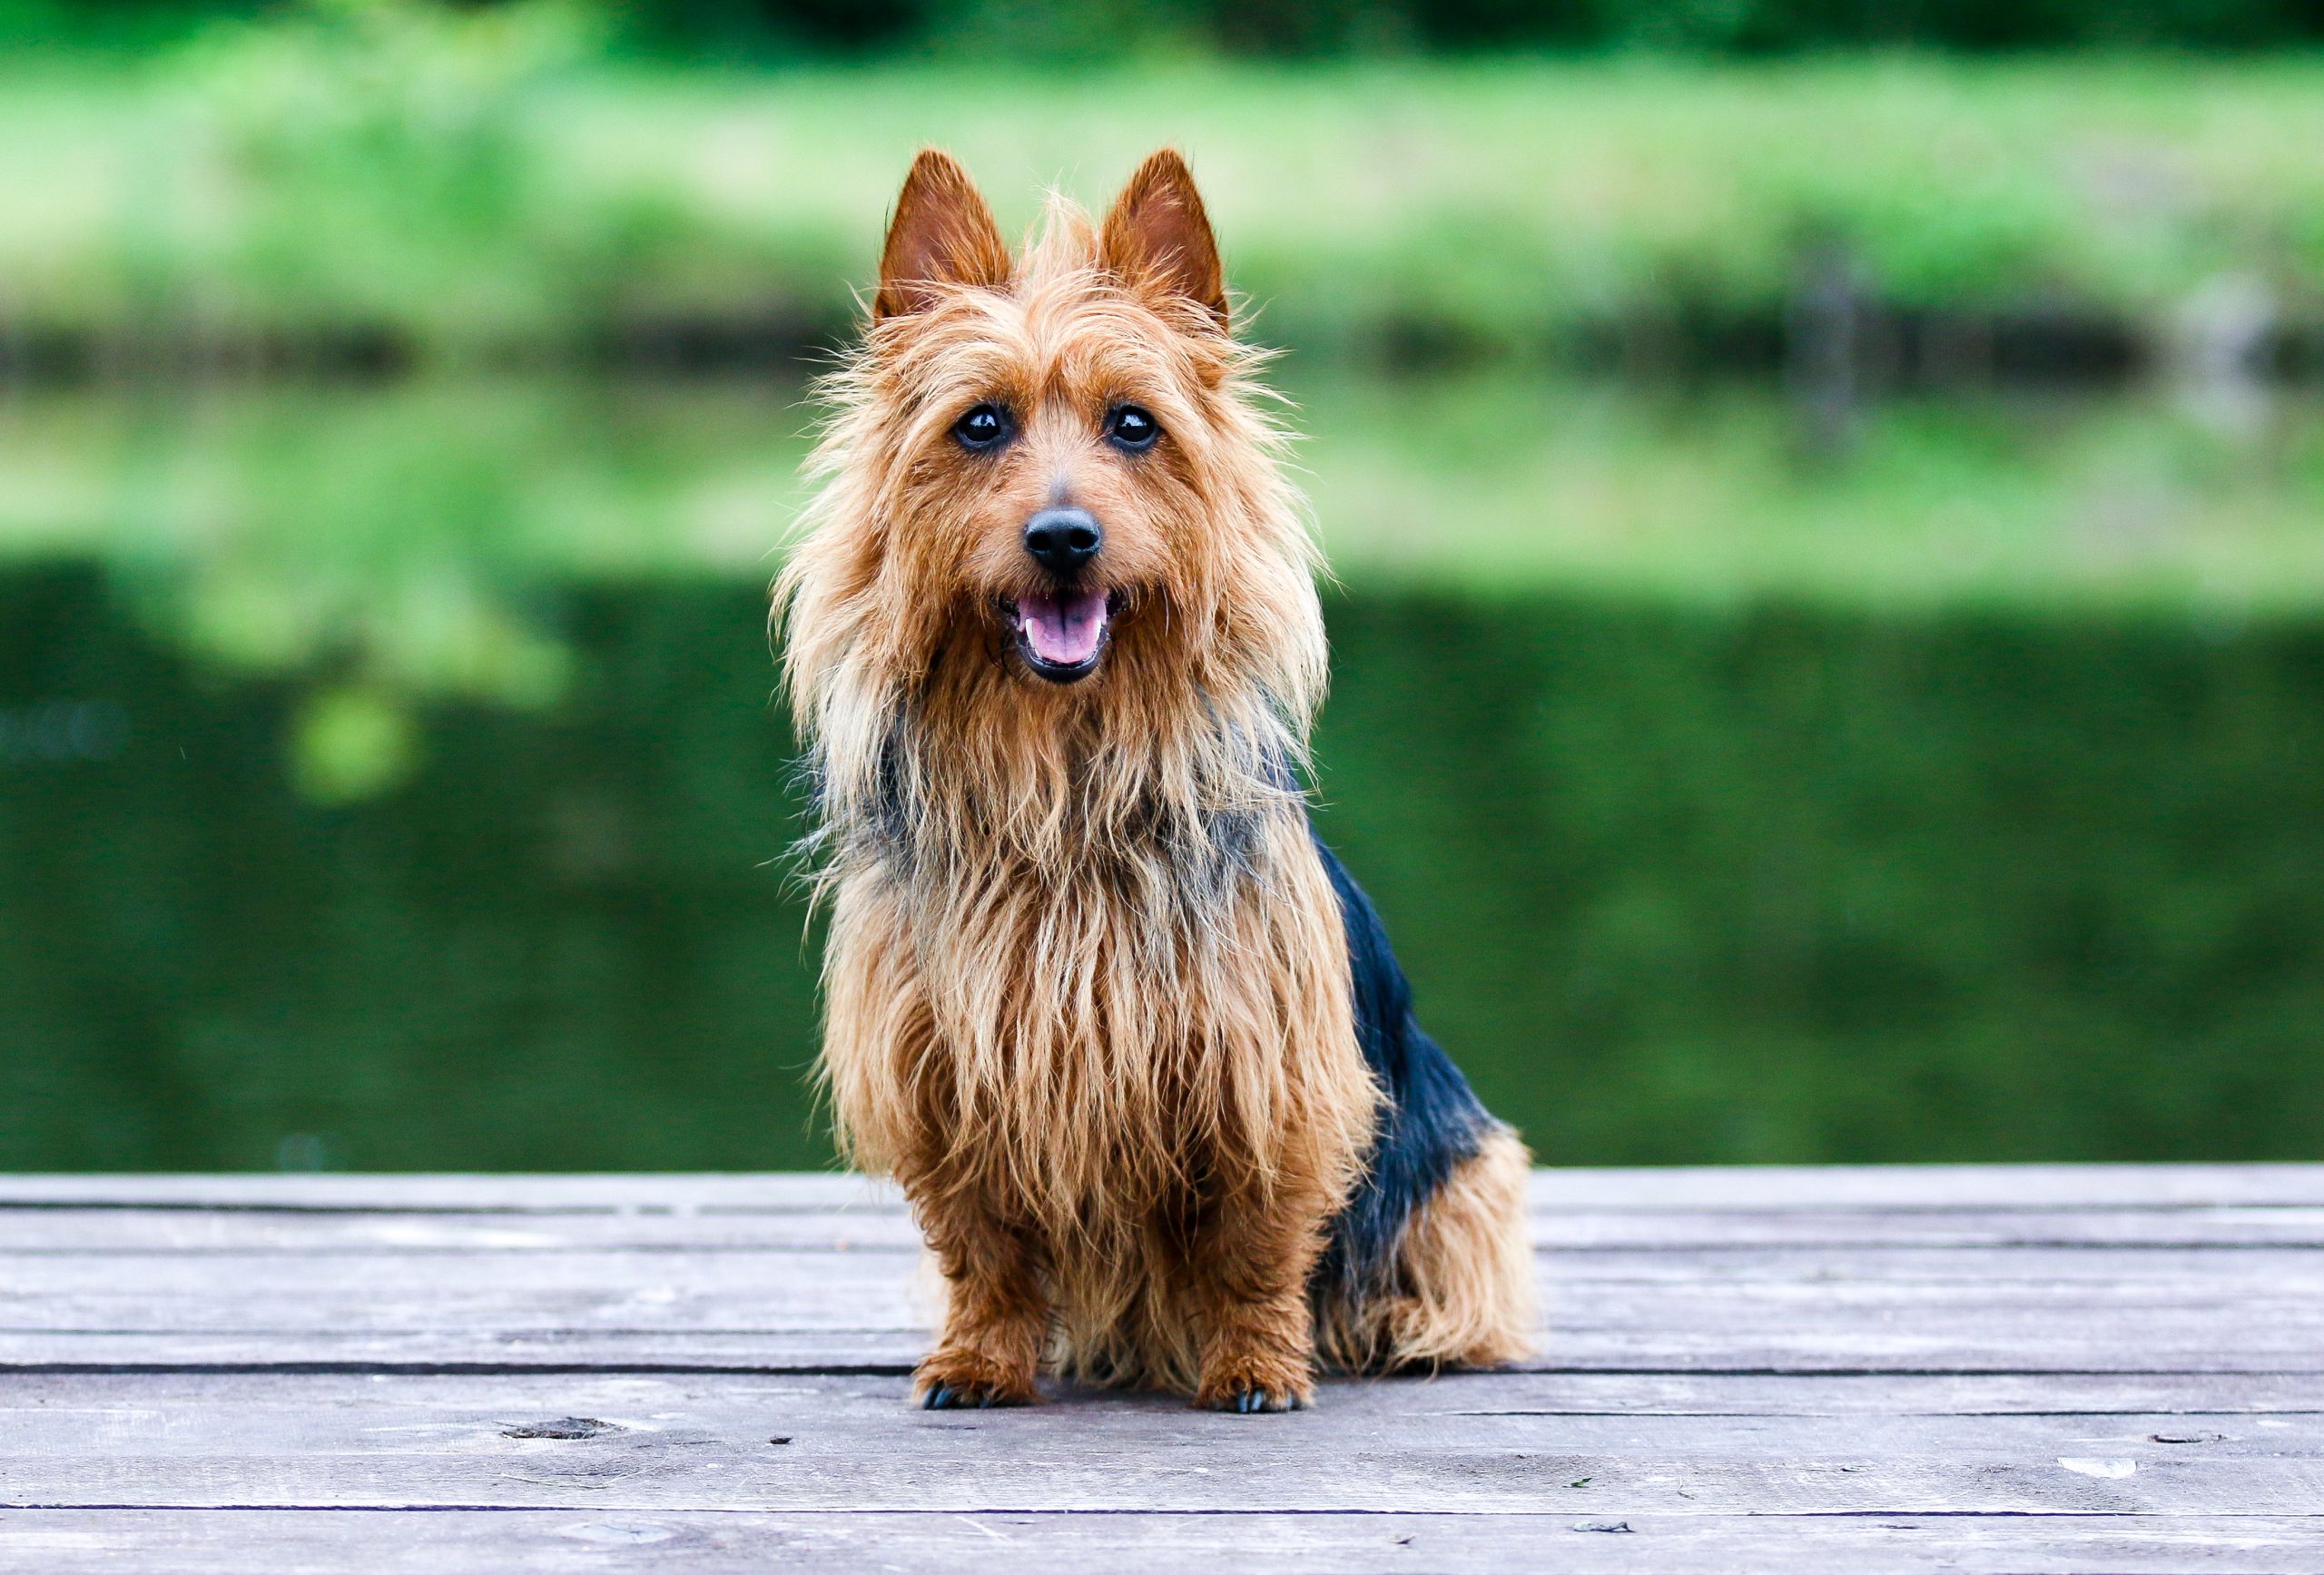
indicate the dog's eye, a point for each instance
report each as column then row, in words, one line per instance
column 1132, row 427
column 983, row 428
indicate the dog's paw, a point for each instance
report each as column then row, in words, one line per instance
column 969, row 1397
column 961, row 1381
column 1256, row 1388
column 945, row 1397
column 1257, row 1401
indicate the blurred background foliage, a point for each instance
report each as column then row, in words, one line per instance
column 1678, row 883
column 386, row 182
column 1825, row 499
column 1105, row 29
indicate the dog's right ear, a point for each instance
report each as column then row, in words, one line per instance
column 942, row 234
column 1159, row 234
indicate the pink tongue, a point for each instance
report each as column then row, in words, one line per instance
column 1063, row 630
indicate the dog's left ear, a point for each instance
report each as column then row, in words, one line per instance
column 1158, row 235
column 942, row 233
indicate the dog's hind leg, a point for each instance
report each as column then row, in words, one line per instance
column 1464, row 1269
column 1429, row 1264
column 997, row 1312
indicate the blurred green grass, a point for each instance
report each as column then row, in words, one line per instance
column 1481, row 484
column 1676, row 884
column 476, row 184
column 413, row 544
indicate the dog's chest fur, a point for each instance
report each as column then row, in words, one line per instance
column 1146, row 1005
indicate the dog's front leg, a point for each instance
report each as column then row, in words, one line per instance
column 996, row 1318
column 1249, row 1267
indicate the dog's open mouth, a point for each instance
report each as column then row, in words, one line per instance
column 1062, row 634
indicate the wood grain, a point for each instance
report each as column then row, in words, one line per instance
column 1984, row 1369
column 696, row 1542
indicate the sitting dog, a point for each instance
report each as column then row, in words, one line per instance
column 1126, row 1033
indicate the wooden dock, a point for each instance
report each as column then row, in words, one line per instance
column 2025, row 1369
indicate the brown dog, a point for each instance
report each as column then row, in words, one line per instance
column 1127, row 1035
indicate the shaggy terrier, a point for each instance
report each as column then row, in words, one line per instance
column 1126, row 1033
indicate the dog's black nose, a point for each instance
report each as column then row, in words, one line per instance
column 1063, row 539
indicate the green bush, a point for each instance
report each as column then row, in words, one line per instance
column 1674, row 885
column 1012, row 30
column 460, row 182
column 383, row 157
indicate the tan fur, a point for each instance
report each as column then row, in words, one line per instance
column 1087, row 993
column 1465, row 1296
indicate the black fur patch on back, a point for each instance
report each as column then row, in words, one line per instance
column 1429, row 1122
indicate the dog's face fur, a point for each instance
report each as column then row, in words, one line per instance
column 1059, row 460
column 1051, row 506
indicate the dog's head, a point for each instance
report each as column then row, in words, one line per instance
column 1046, row 480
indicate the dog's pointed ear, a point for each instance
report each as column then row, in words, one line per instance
column 1158, row 235
column 942, row 233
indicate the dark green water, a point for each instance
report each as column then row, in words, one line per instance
column 1676, row 883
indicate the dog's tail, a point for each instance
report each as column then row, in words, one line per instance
column 1459, row 1292
column 1429, row 1262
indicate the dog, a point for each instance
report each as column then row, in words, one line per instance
column 1123, row 1030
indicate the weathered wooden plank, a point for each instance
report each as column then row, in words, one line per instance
column 1927, row 1186
column 678, row 1292
column 69, row 1542
column 554, row 1350
column 995, row 1472
column 2263, row 1401
column 61, row 1230
column 1944, row 1189
column 252, row 1414
column 458, row 1192
column 404, row 1287
column 1842, row 1229
column 2181, row 1350
column 1900, row 1395
column 736, row 1308
column 190, row 1288
column 338, row 1232
column 1573, row 1277
column 2028, row 1369
column 896, row 1350
column 644, row 1443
